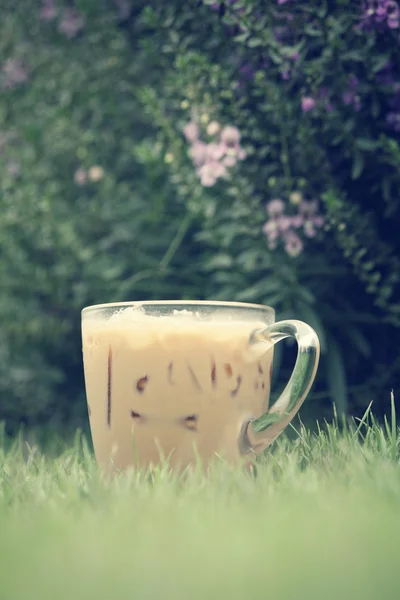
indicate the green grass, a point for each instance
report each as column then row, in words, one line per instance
column 320, row 520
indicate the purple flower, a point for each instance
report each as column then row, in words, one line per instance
column 247, row 71
column 323, row 93
column 385, row 75
column 71, row 23
column 307, row 103
column 380, row 13
column 393, row 120
column 48, row 10
column 349, row 96
column 216, row 5
column 324, row 98
column 353, row 82
column 281, row 33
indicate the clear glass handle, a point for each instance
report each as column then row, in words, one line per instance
column 259, row 433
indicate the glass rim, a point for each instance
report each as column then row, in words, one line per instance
column 192, row 303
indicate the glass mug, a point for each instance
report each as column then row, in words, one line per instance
column 185, row 381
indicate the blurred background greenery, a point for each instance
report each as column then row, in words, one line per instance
column 236, row 150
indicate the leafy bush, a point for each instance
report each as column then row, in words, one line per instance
column 88, row 214
column 307, row 222
column 230, row 150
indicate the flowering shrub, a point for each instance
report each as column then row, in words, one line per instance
column 235, row 150
column 214, row 159
column 306, row 221
column 380, row 12
column 87, row 212
column 281, row 226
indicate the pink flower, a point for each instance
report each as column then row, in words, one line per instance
column 286, row 227
column 271, row 231
column 270, row 227
column 318, row 221
column 14, row 73
column 71, row 23
column 215, row 151
column 293, row 244
column 309, row 229
column 308, row 208
column 229, row 160
column 198, row 153
column 210, row 173
column 230, row 136
column 275, row 207
column 212, row 159
column 80, row 176
column 307, row 103
column 191, row 131
column 284, row 223
column 297, row 221
column 48, row 11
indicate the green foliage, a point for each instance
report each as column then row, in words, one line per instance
column 66, row 244
column 251, row 66
column 100, row 200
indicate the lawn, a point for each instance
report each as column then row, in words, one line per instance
column 320, row 520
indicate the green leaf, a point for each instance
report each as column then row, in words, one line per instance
column 358, row 165
column 220, row 261
column 379, row 62
column 367, row 144
column 242, row 37
column 254, row 42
